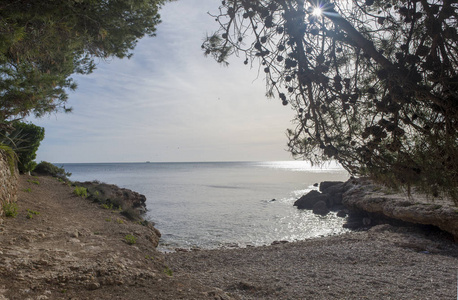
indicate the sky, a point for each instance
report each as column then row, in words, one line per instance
column 169, row 103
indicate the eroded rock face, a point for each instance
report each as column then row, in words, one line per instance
column 364, row 195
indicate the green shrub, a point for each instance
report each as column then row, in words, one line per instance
column 130, row 239
column 47, row 168
column 33, row 181
column 168, row 271
column 27, row 140
column 31, row 213
column 80, row 191
column 10, row 209
column 107, row 206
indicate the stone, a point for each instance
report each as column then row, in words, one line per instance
column 320, row 208
column 93, row 286
column 327, row 184
column 368, row 197
column 310, row 199
column 342, row 213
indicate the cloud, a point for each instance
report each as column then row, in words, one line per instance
column 169, row 103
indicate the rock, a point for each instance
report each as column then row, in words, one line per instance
column 365, row 196
column 342, row 213
column 112, row 194
column 320, row 208
column 278, row 242
column 327, row 184
column 93, row 286
column 310, row 199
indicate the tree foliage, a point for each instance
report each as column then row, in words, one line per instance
column 374, row 82
column 25, row 140
column 42, row 43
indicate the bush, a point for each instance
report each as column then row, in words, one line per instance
column 28, row 138
column 80, row 191
column 47, row 168
column 10, row 209
column 130, row 239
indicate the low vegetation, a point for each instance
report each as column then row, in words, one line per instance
column 47, row 168
column 31, row 213
column 130, row 239
column 80, row 192
column 10, row 210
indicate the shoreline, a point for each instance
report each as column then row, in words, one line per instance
column 73, row 248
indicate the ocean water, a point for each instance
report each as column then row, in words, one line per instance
column 214, row 204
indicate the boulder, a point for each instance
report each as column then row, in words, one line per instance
column 310, row 199
column 327, row 184
column 320, row 208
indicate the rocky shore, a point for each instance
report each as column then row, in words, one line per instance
column 62, row 246
column 367, row 204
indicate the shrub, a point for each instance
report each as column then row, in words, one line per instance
column 27, row 145
column 130, row 239
column 47, row 168
column 80, row 191
column 168, row 271
column 10, row 209
column 31, row 213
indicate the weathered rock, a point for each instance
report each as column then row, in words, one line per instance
column 335, row 191
column 320, row 208
column 327, row 184
column 368, row 197
column 310, row 199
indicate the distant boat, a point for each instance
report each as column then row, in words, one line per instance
column 148, row 162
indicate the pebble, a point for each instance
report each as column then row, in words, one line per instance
column 93, row 286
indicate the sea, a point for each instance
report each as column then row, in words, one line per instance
column 223, row 204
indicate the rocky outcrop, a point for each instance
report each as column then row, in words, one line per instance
column 328, row 198
column 310, row 199
column 366, row 204
column 8, row 180
column 365, row 196
column 113, row 195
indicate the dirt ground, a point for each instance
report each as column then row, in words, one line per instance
column 60, row 246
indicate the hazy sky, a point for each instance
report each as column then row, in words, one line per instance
column 169, row 103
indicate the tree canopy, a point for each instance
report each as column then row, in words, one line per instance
column 42, row 43
column 374, row 82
